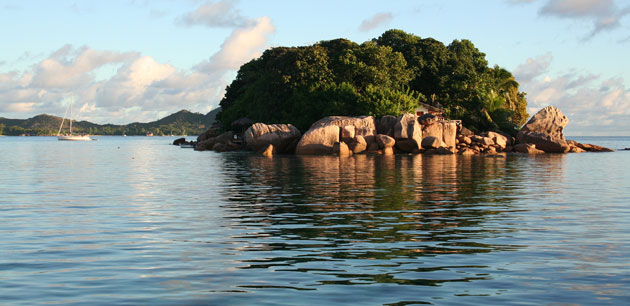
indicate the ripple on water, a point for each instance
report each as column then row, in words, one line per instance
column 172, row 226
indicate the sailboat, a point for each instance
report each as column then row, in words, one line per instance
column 70, row 136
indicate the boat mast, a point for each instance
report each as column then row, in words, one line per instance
column 71, row 100
column 62, row 120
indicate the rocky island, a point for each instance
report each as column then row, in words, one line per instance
column 407, row 134
column 398, row 93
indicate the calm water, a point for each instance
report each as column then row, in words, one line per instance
column 132, row 220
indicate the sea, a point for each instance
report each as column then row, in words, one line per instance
column 137, row 221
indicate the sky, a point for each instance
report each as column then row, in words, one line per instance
column 124, row 61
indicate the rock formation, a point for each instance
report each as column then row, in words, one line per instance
column 323, row 134
column 408, row 133
column 546, row 131
column 345, row 136
column 283, row 137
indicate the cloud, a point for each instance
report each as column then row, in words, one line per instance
column 215, row 14
column 138, row 89
column 67, row 67
column 590, row 102
column 604, row 14
column 533, row 67
column 376, row 21
column 241, row 46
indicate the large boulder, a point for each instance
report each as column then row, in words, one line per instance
column 408, row 145
column 432, row 142
column 212, row 132
column 385, row 141
column 368, row 134
column 283, row 137
column 408, row 133
column 208, row 144
column 501, row 140
column 347, row 133
column 341, row 149
column 449, row 132
column 546, row 130
column 323, row 134
column 319, row 140
column 358, row 144
column 386, row 125
column 434, row 130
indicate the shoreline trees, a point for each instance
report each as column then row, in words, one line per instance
column 388, row 75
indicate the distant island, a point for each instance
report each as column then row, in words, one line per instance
column 180, row 123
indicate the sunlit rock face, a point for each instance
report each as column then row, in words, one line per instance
column 546, row 130
column 323, row 134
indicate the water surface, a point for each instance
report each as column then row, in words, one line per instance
column 132, row 220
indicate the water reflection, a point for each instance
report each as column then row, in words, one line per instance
column 376, row 219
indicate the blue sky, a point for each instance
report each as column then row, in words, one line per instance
column 126, row 61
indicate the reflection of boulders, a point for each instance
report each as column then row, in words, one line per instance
column 283, row 137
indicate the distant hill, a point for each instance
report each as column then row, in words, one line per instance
column 180, row 123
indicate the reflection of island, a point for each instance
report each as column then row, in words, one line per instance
column 301, row 210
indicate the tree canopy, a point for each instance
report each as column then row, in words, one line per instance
column 388, row 75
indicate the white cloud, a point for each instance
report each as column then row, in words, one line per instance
column 376, row 21
column 215, row 14
column 533, row 67
column 241, row 46
column 589, row 101
column 139, row 89
column 67, row 67
column 604, row 14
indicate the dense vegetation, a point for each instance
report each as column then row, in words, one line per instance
column 180, row 123
column 386, row 76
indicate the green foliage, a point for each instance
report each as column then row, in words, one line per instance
column 302, row 85
column 389, row 75
column 457, row 77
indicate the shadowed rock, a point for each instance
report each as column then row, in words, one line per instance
column 283, row 137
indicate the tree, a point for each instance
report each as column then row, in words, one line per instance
column 385, row 76
column 301, row 85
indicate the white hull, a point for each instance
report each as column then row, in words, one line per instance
column 74, row 138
